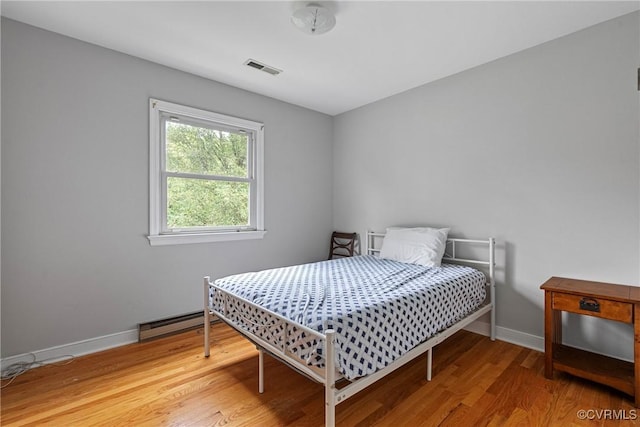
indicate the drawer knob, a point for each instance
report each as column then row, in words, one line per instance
column 589, row 304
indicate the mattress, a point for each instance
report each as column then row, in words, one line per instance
column 380, row 309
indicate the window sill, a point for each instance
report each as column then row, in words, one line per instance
column 181, row 239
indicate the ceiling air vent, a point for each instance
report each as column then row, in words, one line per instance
column 262, row 67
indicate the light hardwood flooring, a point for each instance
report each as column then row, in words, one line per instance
column 168, row 382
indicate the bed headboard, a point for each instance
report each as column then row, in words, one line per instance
column 480, row 253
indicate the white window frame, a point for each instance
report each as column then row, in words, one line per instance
column 158, row 232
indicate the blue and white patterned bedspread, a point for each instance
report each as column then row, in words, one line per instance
column 380, row 309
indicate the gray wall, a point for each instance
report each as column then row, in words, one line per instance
column 539, row 149
column 76, row 263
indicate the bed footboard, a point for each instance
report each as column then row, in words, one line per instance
column 271, row 336
column 327, row 376
column 207, row 318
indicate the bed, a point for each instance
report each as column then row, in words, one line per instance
column 355, row 320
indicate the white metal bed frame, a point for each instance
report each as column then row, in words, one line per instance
column 329, row 374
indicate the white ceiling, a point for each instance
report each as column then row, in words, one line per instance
column 377, row 48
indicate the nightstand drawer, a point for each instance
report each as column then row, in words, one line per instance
column 599, row 307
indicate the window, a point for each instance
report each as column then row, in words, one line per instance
column 205, row 176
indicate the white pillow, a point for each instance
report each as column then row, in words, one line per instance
column 421, row 245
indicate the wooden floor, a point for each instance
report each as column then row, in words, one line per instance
column 168, row 382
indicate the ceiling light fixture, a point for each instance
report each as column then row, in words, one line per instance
column 313, row 19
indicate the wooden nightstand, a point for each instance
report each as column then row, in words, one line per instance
column 604, row 300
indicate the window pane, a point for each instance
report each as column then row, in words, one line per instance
column 203, row 203
column 194, row 149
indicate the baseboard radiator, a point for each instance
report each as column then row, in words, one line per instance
column 171, row 325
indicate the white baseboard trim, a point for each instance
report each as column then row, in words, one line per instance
column 78, row 348
column 94, row 345
column 509, row 335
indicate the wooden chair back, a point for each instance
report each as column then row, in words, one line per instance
column 342, row 244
